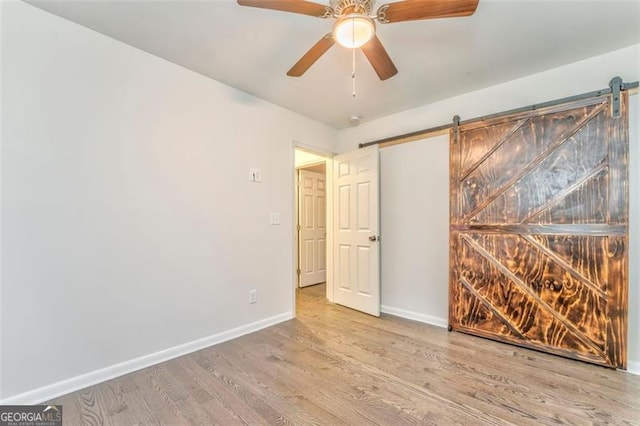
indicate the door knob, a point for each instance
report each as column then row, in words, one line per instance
column 373, row 238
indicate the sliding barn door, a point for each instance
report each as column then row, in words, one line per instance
column 539, row 230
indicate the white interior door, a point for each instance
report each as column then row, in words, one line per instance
column 356, row 230
column 313, row 228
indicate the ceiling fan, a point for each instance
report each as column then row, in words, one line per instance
column 355, row 25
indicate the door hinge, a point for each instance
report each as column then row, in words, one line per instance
column 298, row 227
column 298, row 271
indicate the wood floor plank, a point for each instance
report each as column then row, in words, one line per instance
column 274, row 387
column 341, row 400
column 334, row 366
column 370, row 355
column 224, row 406
column 404, row 362
column 154, row 400
column 71, row 409
column 92, row 411
column 361, row 367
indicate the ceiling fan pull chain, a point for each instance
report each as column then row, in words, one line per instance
column 353, row 57
column 353, row 73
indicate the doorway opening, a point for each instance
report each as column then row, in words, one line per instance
column 343, row 240
column 312, row 224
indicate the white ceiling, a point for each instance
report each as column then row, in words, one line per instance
column 252, row 49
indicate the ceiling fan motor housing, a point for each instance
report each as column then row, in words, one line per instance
column 348, row 7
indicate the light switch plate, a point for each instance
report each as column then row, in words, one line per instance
column 255, row 175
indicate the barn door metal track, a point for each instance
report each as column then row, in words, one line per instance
column 616, row 86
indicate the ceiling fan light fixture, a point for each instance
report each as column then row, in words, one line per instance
column 353, row 31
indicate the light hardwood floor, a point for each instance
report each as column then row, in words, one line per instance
column 335, row 366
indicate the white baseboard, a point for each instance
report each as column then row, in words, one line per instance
column 415, row 316
column 633, row 368
column 73, row 384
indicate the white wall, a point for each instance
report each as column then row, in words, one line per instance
column 414, row 283
column 129, row 225
column 413, row 184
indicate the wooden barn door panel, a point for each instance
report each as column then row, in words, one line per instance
column 539, row 231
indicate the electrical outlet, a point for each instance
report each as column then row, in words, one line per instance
column 274, row 218
column 253, row 296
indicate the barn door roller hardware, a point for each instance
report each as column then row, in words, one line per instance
column 618, row 86
column 615, row 87
column 456, row 128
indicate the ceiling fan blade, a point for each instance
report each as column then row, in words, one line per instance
column 379, row 59
column 311, row 56
column 295, row 6
column 413, row 10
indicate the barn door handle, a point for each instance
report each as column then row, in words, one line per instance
column 373, row 238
